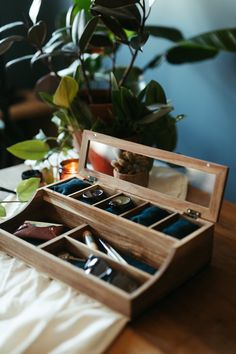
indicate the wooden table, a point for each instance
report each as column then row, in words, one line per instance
column 200, row 316
column 197, row 318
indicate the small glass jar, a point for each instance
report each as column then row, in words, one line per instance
column 69, row 168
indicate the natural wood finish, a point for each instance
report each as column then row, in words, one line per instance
column 209, row 213
column 175, row 260
column 200, row 316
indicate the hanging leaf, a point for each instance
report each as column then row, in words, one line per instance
column 115, row 3
column 34, row 10
column 11, row 25
column 66, row 92
column 29, row 150
column 87, row 33
column 154, row 116
column 78, row 26
column 137, row 42
column 114, row 26
column 18, row 60
column 153, row 93
column 6, row 43
column 169, row 33
column 2, row 211
column 27, row 188
column 101, row 40
column 204, row 46
column 37, row 34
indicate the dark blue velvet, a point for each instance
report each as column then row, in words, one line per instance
column 180, row 228
column 139, row 264
column 69, row 187
column 149, row 215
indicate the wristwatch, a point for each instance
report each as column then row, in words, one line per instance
column 121, row 203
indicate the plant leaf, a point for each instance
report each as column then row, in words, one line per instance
column 88, row 33
column 7, row 42
column 78, row 26
column 204, row 46
column 37, row 34
column 137, row 42
column 114, row 26
column 2, row 211
column 17, row 60
column 169, row 33
column 11, row 25
column 27, row 188
column 115, row 3
column 29, row 149
column 66, row 92
column 34, row 10
column 154, row 116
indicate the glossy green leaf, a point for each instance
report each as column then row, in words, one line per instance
column 129, row 17
column 169, row 33
column 101, row 40
column 27, row 188
column 18, row 60
column 137, row 42
column 11, row 25
column 29, row 149
column 115, row 3
column 87, row 33
column 114, row 83
column 78, row 26
column 154, row 116
column 66, row 92
column 153, row 93
column 37, row 34
column 2, row 211
column 47, row 98
column 6, row 43
column 69, row 16
column 114, row 26
column 34, row 10
column 204, row 46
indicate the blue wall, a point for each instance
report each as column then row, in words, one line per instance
column 206, row 91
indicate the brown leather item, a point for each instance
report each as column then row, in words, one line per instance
column 46, row 233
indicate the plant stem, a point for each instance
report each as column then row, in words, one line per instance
column 86, row 79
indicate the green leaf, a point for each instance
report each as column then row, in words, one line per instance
column 47, row 98
column 2, row 211
column 37, row 34
column 29, row 149
column 101, row 40
column 18, row 60
column 66, row 92
column 27, row 188
column 78, row 27
column 87, row 34
column 114, row 83
column 137, row 42
column 34, row 10
column 204, row 46
column 169, row 33
column 153, row 93
column 114, row 26
column 7, row 42
column 154, row 116
column 115, row 3
column 11, row 25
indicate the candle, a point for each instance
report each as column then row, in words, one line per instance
column 69, row 168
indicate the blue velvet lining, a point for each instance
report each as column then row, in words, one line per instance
column 69, row 187
column 149, row 215
column 180, row 228
column 139, row 264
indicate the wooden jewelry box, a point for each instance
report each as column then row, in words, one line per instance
column 134, row 233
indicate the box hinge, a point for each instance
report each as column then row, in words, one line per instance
column 193, row 213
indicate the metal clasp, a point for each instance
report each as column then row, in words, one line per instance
column 193, row 213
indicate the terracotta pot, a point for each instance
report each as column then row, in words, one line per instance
column 140, row 178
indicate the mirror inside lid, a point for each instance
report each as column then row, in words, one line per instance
column 180, row 182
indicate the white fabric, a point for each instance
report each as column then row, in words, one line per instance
column 39, row 315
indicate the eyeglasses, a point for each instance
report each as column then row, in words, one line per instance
column 102, row 270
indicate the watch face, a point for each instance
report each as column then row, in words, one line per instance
column 121, row 202
column 93, row 195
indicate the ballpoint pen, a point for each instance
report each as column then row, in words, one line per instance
column 3, row 189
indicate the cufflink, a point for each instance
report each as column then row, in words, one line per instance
column 93, row 196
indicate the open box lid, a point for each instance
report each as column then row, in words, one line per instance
column 176, row 181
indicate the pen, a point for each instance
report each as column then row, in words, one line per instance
column 112, row 253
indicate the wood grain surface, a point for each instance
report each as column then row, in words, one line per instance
column 198, row 317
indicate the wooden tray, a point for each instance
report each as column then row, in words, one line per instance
column 172, row 260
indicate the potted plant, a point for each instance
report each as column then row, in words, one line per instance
column 93, row 33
